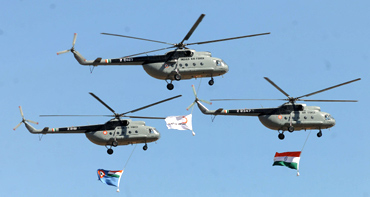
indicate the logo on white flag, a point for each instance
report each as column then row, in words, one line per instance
column 179, row 122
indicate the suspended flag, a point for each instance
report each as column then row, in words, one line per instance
column 288, row 159
column 110, row 177
column 180, row 122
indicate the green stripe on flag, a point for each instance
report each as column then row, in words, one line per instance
column 287, row 164
column 113, row 175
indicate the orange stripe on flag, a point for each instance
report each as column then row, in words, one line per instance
column 289, row 154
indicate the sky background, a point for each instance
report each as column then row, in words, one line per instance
column 312, row 45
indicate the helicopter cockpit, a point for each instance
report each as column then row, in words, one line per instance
column 328, row 117
column 219, row 62
column 153, row 131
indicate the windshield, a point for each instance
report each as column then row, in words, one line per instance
column 219, row 62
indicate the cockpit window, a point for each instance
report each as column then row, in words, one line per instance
column 153, row 130
column 328, row 117
column 218, row 62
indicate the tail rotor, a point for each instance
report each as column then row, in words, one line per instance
column 73, row 46
column 23, row 119
column 197, row 99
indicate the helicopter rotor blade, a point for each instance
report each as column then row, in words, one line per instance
column 195, row 93
column 249, row 99
column 77, row 116
column 225, row 39
column 190, row 106
column 74, row 40
column 31, row 121
column 109, row 34
column 308, row 100
column 191, row 31
column 102, row 102
column 326, row 89
column 156, row 103
column 204, row 101
column 149, row 51
column 62, row 52
column 145, row 117
column 17, row 125
column 277, row 87
column 20, row 109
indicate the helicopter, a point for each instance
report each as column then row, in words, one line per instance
column 178, row 64
column 289, row 116
column 114, row 132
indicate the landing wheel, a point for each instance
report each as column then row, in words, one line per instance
column 170, row 86
column 211, row 82
column 145, row 147
column 281, row 136
column 319, row 134
column 291, row 129
column 115, row 143
column 110, row 151
column 177, row 77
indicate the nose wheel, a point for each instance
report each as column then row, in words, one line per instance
column 177, row 77
column 145, row 147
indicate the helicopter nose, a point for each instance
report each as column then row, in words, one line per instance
column 226, row 68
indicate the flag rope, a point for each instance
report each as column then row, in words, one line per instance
column 200, row 81
column 129, row 157
column 306, row 141
column 119, row 180
column 303, row 148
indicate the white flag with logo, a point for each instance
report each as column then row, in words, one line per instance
column 179, row 122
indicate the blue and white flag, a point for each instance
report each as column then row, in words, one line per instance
column 110, row 177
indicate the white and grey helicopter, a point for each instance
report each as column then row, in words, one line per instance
column 181, row 63
column 114, row 133
column 289, row 116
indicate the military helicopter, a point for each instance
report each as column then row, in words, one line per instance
column 181, row 63
column 114, row 133
column 289, row 116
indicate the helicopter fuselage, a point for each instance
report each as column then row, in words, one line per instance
column 303, row 117
column 184, row 62
column 123, row 132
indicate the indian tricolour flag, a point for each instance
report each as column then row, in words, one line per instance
column 288, row 159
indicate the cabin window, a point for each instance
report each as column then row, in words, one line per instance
column 201, row 63
column 218, row 63
column 180, row 65
column 129, row 132
column 135, row 131
column 305, row 117
column 311, row 117
column 150, row 131
column 110, row 133
column 186, row 64
column 194, row 64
